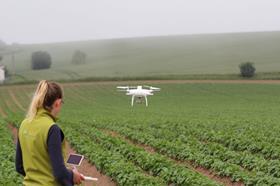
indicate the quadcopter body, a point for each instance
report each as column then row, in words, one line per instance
column 138, row 92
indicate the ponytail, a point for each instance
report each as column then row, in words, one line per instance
column 44, row 96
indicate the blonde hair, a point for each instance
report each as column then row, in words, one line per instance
column 44, row 97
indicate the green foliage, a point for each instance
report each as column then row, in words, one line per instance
column 110, row 162
column 40, row 60
column 155, row 164
column 247, row 69
column 79, row 57
column 8, row 175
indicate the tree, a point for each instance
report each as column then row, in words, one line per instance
column 247, row 69
column 79, row 57
column 40, row 60
column 1, row 57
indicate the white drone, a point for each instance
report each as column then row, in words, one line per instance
column 139, row 92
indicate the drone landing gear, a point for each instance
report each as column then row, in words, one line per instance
column 146, row 101
column 139, row 100
column 132, row 100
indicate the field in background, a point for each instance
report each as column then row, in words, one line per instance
column 231, row 130
column 169, row 57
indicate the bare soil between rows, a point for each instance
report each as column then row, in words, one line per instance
column 86, row 168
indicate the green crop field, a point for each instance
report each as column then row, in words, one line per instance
column 231, row 130
column 217, row 55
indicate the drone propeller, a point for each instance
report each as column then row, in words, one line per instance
column 152, row 88
column 122, row 90
column 123, row 87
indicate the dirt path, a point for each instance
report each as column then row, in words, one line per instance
column 89, row 170
column 66, row 84
column 201, row 170
column 86, row 168
column 177, row 82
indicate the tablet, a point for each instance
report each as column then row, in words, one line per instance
column 75, row 159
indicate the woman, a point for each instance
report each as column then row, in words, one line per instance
column 41, row 146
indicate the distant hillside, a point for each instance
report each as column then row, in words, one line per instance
column 155, row 56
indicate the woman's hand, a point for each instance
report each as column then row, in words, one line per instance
column 77, row 177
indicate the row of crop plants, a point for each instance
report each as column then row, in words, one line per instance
column 8, row 175
column 184, row 150
column 262, row 158
column 153, row 163
column 196, row 137
column 254, row 138
column 111, row 163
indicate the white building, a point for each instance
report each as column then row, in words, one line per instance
column 2, row 74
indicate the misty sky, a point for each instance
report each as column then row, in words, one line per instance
column 36, row 21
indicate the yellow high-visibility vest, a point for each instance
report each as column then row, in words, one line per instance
column 33, row 141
